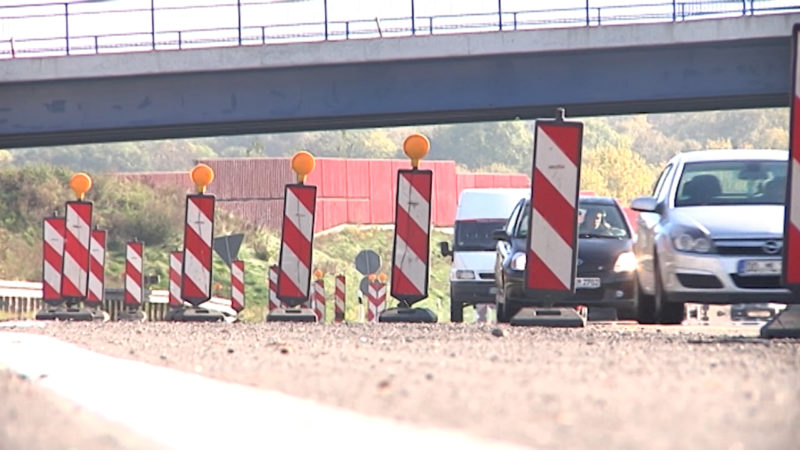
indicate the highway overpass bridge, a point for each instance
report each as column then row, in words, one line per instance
column 741, row 62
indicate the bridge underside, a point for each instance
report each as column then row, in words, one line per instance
column 625, row 80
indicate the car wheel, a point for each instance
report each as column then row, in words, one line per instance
column 667, row 313
column 645, row 306
column 456, row 311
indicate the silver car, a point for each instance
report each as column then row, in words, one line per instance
column 712, row 232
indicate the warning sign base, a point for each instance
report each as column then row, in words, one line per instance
column 292, row 315
column 785, row 325
column 548, row 317
column 131, row 316
column 66, row 314
column 408, row 315
column 194, row 315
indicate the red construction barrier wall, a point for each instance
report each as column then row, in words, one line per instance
column 350, row 191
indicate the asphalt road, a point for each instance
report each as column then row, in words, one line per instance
column 605, row 386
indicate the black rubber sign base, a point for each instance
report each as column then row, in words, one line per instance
column 407, row 315
column 548, row 317
column 292, row 315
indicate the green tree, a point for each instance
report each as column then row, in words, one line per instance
column 483, row 144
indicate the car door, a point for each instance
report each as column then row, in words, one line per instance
column 648, row 225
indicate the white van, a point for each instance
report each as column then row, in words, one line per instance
column 479, row 213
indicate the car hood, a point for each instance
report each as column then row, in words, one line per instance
column 733, row 221
column 480, row 262
column 600, row 254
column 594, row 254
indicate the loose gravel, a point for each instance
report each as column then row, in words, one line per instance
column 604, row 386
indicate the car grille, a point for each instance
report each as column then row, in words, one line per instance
column 695, row 281
column 486, row 276
column 757, row 282
column 760, row 247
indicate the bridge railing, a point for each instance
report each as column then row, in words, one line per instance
column 66, row 28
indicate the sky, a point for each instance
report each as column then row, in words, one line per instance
column 92, row 18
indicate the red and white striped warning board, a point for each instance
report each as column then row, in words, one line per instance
column 791, row 231
column 237, row 285
column 97, row 267
column 411, row 235
column 274, row 302
column 52, row 257
column 175, row 266
column 376, row 300
column 319, row 300
column 197, row 241
column 134, row 273
column 552, row 239
column 78, row 231
column 339, row 305
column 297, row 237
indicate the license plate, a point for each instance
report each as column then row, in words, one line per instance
column 760, row 267
column 587, row 283
column 492, row 290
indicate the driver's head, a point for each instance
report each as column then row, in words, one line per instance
column 597, row 219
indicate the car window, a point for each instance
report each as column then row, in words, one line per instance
column 476, row 235
column 512, row 219
column 745, row 182
column 659, row 186
column 594, row 221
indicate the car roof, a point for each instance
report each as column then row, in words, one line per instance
column 732, row 154
column 594, row 200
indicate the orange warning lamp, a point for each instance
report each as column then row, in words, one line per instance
column 416, row 147
column 318, row 274
column 302, row 163
column 371, row 277
column 382, row 278
column 80, row 184
column 202, row 176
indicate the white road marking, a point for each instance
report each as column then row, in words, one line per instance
column 180, row 410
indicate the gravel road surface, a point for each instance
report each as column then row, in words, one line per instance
column 604, row 386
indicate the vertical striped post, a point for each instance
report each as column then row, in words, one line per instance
column 553, row 239
column 791, row 230
column 52, row 256
column 319, row 299
column 297, row 236
column 97, row 268
column 134, row 274
column 75, row 275
column 237, row 285
column 339, row 304
column 175, row 263
column 197, row 240
column 376, row 301
column 274, row 302
column 411, row 236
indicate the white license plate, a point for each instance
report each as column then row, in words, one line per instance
column 759, row 267
column 587, row 283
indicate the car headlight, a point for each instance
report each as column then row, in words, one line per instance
column 461, row 274
column 518, row 261
column 626, row 262
column 691, row 240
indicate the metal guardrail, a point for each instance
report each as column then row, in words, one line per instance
column 79, row 28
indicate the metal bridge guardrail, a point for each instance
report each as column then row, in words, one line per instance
column 93, row 28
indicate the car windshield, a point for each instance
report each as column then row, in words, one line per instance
column 732, row 183
column 594, row 221
column 476, row 235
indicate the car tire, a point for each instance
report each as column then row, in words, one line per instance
column 456, row 311
column 667, row 313
column 645, row 306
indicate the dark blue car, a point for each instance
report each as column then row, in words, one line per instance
column 606, row 271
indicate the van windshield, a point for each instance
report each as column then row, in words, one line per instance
column 476, row 235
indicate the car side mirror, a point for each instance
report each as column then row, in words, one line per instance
column 500, row 235
column 444, row 247
column 644, row 204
